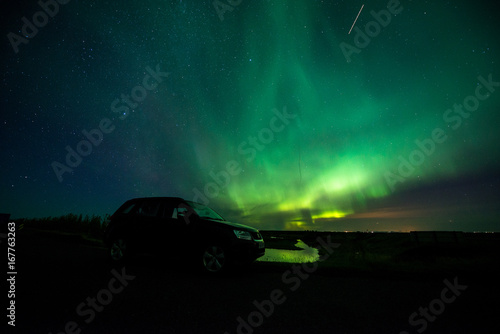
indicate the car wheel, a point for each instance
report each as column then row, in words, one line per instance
column 214, row 259
column 118, row 251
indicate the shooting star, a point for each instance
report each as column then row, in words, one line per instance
column 356, row 19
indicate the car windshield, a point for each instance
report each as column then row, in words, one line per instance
column 204, row 211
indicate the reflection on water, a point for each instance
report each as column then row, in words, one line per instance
column 306, row 254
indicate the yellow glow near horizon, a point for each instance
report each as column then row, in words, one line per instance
column 332, row 214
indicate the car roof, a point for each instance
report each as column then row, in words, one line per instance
column 171, row 199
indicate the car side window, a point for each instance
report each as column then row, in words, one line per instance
column 177, row 211
column 149, row 209
column 167, row 211
column 129, row 208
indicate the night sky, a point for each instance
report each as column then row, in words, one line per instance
column 269, row 111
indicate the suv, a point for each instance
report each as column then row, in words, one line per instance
column 173, row 227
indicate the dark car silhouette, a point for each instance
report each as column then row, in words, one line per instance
column 178, row 229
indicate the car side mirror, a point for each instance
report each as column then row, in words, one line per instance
column 186, row 217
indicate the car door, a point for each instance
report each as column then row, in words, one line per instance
column 176, row 228
column 147, row 225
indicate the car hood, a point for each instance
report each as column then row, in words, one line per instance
column 230, row 224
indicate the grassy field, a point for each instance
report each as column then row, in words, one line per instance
column 404, row 252
column 61, row 272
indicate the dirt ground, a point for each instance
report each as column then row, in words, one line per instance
column 65, row 285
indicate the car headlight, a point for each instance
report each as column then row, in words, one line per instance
column 242, row 234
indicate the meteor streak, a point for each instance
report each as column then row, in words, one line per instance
column 355, row 19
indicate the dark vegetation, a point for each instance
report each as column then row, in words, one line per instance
column 88, row 226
